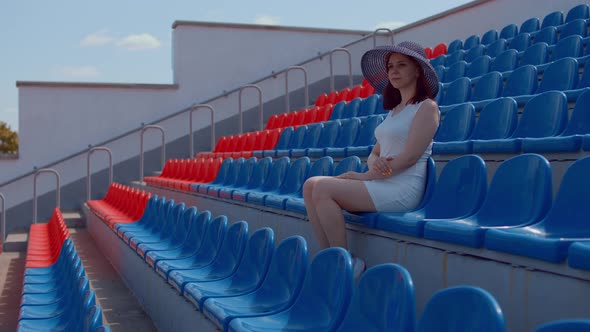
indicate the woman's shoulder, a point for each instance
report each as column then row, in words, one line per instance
column 428, row 105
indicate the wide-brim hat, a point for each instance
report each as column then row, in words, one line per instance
column 374, row 65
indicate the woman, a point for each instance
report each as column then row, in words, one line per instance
column 396, row 177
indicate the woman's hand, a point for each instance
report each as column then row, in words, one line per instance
column 352, row 176
column 380, row 165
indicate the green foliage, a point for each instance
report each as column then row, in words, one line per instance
column 8, row 139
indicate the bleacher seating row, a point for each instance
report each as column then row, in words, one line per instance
column 56, row 294
column 122, row 204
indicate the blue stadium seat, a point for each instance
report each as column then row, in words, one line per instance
column 249, row 274
column 505, row 61
column 93, row 319
column 546, row 35
column 521, row 42
column 222, row 266
column 220, row 178
column 497, row 47
column 347, row 135
column 586, row 143
column 458, row 91
column 571, row 138
column 456, row 125
column 198, row 225
column 322, row 302
column 458, row 193
column 321, row 167
column 242, row 180
column 479, row 66
column 348, row 164
column 530, row 25
column 440, row 93
column 578, row 12
column 282, row 144
column 133, row 238
column 384, row 300
column 584, row 81
column 567, row 47
column 454, row 57
column 368, row 105
column 351, row 109
column 509, row 31
column 275, row 178
column 327, row 138
column 446, row 311
column 277, row 292
column 292, row 186
column 440, row 72
column 488, row 86
column 560, row 75
column 455, row 45
column 179, row 233
column 544, row 115
column 295, row 142
column 578, row 255
column 438, row 61
column 205, row 254
column 365, row 140
column 522, row 81
column 455, row 71
column 256, row 179
column 230, row 179
column 152, row 206
column 552, row 19
column 471, row 42
column 519, row 195
column 474, row 52
column 337, row 110
column 536, row 54
column 311, row 139
column 576, row 27
column 379, row 107
column 489, row 37
column 565, row 325
column 565, row 223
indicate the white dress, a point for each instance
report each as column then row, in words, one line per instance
column 403, row 191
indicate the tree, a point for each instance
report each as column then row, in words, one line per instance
column 8, row 139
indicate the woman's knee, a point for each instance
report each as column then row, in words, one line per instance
column 309, row 185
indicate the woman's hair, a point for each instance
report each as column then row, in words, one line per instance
column 392, row 96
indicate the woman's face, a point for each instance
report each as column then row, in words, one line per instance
column 402, row 71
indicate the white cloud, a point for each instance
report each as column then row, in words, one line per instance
column 98, row 38
column 389, row 25
column 267, row 20
column 77, row 71
column 139, row 42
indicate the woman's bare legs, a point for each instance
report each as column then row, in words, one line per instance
column 325, row 197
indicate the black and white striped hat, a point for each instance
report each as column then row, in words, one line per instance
column 374, row 65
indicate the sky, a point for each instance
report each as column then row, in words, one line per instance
column 129, row 41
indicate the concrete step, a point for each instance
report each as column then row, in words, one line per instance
column 74, row 219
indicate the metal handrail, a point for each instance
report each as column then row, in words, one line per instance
column 332, row 67
column 190, row 126
column 88, row 177
column 57, row 198
column 306, row 89
column 3, row 220
column 260, row 114
column 143, row 130
column 390, row 33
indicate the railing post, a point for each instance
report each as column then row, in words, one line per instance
column 332, row 68
column 390, row 33
column 163, row 149
column 3, row 221
column 88, row 177
column 190, row 126
column 57, row 198
column 260, row 114
column 287, row 103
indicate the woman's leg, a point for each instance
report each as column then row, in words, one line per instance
column 320, row 233
column 329, row 196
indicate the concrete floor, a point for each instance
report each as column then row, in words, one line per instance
column 121, row 310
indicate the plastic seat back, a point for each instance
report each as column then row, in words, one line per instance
column 439, row 49
column 536, row 54
column 567, row 47
column 321, row 167
column 446, row 311
column 460, row 189
column 257, row 256
column 367, row 106
column 295, row 176
column 351, row 109
column 471, row 42
column 506, row 61
column 519, row 194
column 440, row 72
column 454, row 57
column 457, row 124
column 560, row 75
column 497, row 119
column 565, row 325
column 455, row 45
column 232, row 173
column 384, row 300
column 455, row 71
column 458, row 91
column 544, row 115
column 546, row 35
column 296, row 141
column 496, row 48
column 552, row 19
column 578, row 12
column 488, row 86
column 366, row 134
column 585, row 80
column 521, row 42
column 479, row 66
column 522, row 81
column 337, row 111
column 530, row 25
column 489, row 37
column 438, row 61
column 579, row 122
column 312, row 135
column 474, row 52
column 224, row 169
column 328, row 134
column 348, row 132
column 276, row 175
column 93, row 318
column 245, row 172
column 573, row 28
column 352, row 163
column 509, row 31
column 259, row 173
